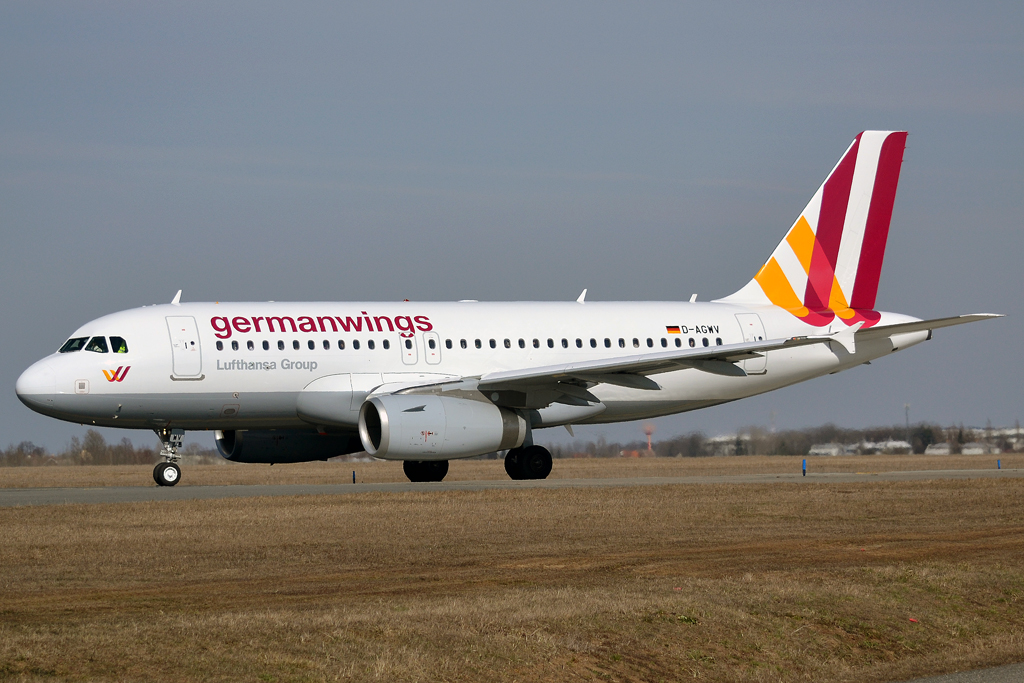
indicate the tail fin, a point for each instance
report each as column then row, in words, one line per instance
column 830, row 261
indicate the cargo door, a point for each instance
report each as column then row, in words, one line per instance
column 186, row 354
column 753, row 330
column 432, row 348
column 409, row 350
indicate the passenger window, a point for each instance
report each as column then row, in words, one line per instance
column 311, row 344
column 508, row 344
column 679, row 342
column 706, row 341
column 327, row 345
column 369, row 344
column 636, row 343
column 386, row 344
column 295, row 344
column 522, row 343
column 551, row 343
column 266, row 345
column 250, row 345
column 408, row 343
column 234, row 346
column 97, row 344
column 579, row 343
column 493, row 344
column 220, row 346
column 607, row 343
column 718, row 341
column 693, row 342
column 462, row 343
column 280, row 345
column 622, row 343
column 75, row 344
column 593, row 343
column 341, row 344
column 448, row 343
column 536, row 343
column 477, row 343
column 664, row 342
column 565, row 343
column 118, row 345
column 431, row 343
column 650, row 342
column 355, row 344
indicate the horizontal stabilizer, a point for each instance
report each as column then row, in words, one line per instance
column 921, row 325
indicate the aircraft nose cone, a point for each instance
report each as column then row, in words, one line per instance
column 35, row 384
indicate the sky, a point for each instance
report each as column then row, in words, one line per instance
column 519, row 151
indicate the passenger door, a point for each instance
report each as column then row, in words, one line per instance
column 753, row 330
column 186, row 355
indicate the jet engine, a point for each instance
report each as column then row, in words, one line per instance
column 412, row 427
column 283, row 445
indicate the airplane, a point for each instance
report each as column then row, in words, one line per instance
column 425, row 383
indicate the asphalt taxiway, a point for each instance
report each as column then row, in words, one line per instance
column 134, row 494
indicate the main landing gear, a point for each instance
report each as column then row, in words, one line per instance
column 168, row 473
column 529, row 462
column 425, row 470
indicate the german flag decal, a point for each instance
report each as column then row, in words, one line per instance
column 672, row 329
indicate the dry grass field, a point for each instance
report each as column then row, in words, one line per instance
column 462, row 470
column 858, row 582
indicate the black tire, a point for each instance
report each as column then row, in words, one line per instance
column 425, row 470
column 512, row 463
column 166, row 474
column 535, row 463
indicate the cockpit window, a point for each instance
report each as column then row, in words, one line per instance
column 97, row 344
column 118, row 345
column 75, row 344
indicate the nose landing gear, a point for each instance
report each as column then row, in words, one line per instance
column 168, row 473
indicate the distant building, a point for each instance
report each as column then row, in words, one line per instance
column 826, row 449
column 975, row 448
column 938, row 449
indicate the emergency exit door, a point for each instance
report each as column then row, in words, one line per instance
column 186, row 354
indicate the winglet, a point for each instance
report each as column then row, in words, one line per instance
column 582, row 297
column 177, row 299
column 846, row 336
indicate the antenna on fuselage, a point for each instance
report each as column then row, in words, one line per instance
column 176, row 301
column 583, row 296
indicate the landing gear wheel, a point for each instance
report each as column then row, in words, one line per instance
column 166, row 474
column 534, row 463
column 425, row 470
column 512, row 463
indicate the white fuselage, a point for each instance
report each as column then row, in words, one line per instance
column 244, row 365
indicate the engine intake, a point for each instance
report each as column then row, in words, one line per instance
column 283, row 445
column 411, row 427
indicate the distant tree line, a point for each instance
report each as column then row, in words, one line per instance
column 92, row 449
column 761, row 441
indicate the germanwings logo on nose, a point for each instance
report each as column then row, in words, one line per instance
column 117, row 375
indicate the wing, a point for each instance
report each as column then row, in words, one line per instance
column 568, row 383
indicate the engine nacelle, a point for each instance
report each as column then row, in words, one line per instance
column 411, row 427
column 283, row 445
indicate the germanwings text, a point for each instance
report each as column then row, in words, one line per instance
column 405, row 324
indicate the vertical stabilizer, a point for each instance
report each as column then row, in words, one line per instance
column 830, row 261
